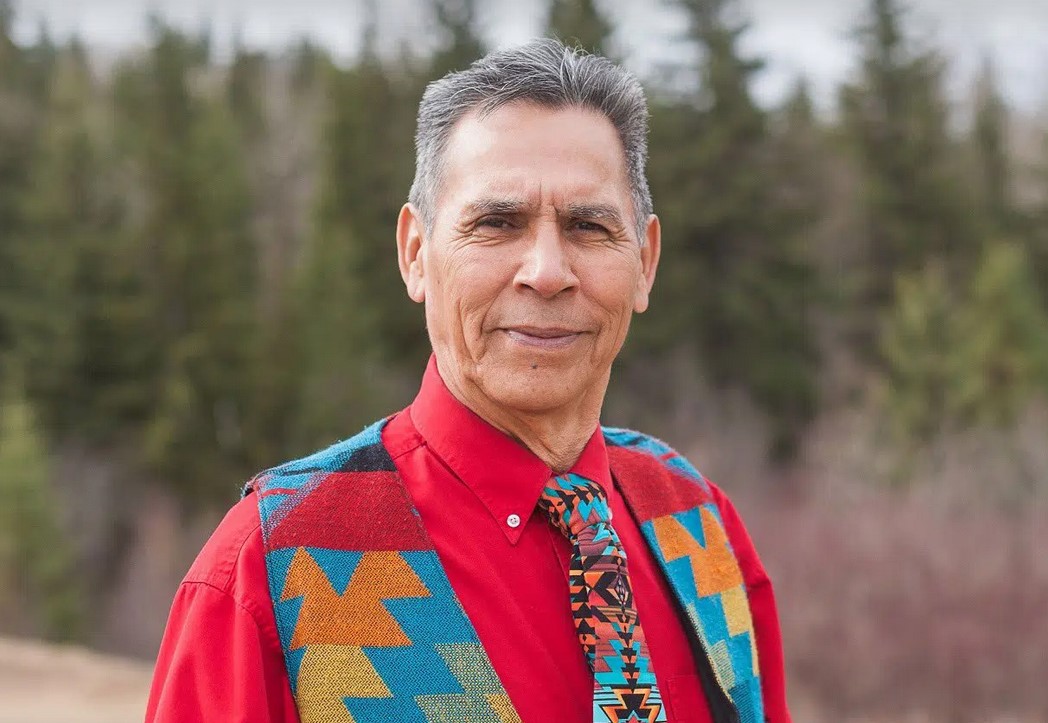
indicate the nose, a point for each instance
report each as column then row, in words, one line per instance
column 546, row 267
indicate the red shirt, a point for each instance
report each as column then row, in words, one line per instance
column 220, row 659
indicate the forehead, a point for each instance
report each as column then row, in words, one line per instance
column 535, row 154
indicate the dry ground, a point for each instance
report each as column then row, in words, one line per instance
column 41, row 683
column 54, row 684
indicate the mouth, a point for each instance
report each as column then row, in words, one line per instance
column 542, row 337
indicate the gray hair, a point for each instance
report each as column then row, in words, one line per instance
column 544, row 72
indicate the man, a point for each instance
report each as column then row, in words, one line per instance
column 491, row 553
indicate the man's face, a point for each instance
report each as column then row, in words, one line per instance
column 532, row 268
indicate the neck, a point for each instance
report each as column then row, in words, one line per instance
column 557, row 436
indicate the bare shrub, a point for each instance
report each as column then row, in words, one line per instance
column 894, row 605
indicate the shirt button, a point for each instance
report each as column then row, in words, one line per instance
column 513, row 521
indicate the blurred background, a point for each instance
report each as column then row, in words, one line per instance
column 849, row 332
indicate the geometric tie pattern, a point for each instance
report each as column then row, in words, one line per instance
column 682, row 524
column 602, row 605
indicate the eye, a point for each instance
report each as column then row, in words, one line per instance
column 495, row 222
column 590, row 227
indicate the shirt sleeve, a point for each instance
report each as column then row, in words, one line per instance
column 762, row 608
column 220, row 658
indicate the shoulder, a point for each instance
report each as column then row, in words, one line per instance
column 661, row 481
column 238, row 533
column 298, row 500
column 233, row 559
column 229, row 574
column 656, row 479
column 361, row 452
column 650, row 450
column 282, row 487
column 667, row 481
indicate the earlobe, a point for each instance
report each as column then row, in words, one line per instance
column 640, row 300
column 409, row 252
column 649, row 263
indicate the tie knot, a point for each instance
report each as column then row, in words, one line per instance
column 573, row 503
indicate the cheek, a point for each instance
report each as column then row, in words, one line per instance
column 614, row 290
column 466, row 285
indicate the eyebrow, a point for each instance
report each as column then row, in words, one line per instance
column 512, row 206
column 597, row 211
column 486, row 206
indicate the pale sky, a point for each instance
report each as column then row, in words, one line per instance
column 809, row 37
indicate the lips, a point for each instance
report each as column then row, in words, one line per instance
column 543, row 337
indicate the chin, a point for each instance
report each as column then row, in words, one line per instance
column 534, row 390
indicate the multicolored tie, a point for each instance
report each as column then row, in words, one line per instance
column 624, row 687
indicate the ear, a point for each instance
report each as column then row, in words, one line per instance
column 649, row 262
column 409, row 252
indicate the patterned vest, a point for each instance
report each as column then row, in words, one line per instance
column 372, row 631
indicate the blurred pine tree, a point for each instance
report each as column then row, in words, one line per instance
column 919, row 343
column 37, row 562
column 194, row 244
column 971, row 359
column 1001, row 340
column 741, row 284
column 1038, row 222
column 24, row 79
column 580, row 22
column 80, row 312
column 993, row 171
column 460, row 42
column 915, row 207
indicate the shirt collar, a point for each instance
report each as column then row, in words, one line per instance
column 505, row 475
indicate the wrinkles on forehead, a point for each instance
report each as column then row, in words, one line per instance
column 526, row 160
